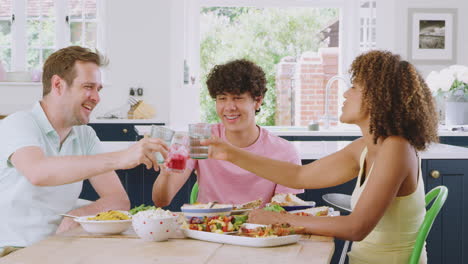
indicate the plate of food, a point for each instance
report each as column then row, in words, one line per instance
column 246, row 207
column 110, row 222
column 252, row 235
column 208, row 209
column 216, row 224
column 316, row 211
column 290, row 202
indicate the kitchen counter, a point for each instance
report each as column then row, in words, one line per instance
column 126, row 121
column 352, row 131
column 312, row 150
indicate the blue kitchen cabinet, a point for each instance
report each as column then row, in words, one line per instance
column 455, row 141
column 118, row 131
column 445, row 243
column 138, row 183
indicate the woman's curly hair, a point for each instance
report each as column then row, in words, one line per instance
column 396, row 97
column 237, row 77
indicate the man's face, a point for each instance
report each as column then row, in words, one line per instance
column 83, row 94
column 237, row 112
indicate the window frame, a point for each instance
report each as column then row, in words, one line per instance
column 349, row 28
column 19, row 46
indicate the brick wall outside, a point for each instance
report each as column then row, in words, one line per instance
column 303, row 82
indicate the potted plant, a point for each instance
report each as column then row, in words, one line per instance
column 450, row 89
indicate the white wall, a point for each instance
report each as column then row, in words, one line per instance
column 392, row 27
column 145, row 44
column 138, row 48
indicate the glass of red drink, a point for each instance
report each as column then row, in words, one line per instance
column 178, row 153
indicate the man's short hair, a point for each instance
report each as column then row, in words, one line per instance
column 237, row 77
column 62, row 63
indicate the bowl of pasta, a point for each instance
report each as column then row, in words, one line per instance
column 110, row 222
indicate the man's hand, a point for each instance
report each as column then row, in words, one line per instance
column 66, row 224
column 142, row 152
column 218, row 149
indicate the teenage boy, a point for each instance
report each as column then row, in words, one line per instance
column 238, row 88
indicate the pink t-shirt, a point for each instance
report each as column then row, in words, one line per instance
column 225, row 182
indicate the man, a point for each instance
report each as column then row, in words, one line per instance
column 47, row 152
column 238, row 88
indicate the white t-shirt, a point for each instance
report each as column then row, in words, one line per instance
column 30, row 213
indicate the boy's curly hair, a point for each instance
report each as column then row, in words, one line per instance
column 397, row 98
column 237, row 77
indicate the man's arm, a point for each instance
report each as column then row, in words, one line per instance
column 167, row 185
column 112, row 196
column 42, row 170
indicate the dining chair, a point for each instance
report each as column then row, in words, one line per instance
column 438, row 195
column 342, row 202
column 194, row 193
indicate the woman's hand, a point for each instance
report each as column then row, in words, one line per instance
column 218, row 148
column 260, row 216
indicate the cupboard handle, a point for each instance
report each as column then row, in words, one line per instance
column 435, row 174
column 125, row 130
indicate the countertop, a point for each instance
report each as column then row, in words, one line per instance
column 312, row 150
column 352, row 131
column 126, row 121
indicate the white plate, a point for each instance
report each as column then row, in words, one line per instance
column 242, row 241
column 299, row 207
column 313, row 211
column 240, row 211
column 199, row 210
column 107, row 227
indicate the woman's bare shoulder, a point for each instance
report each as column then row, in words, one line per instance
column 397, row 143
column 355, row 148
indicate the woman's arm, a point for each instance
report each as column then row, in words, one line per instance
column 332, row 170
column 395, row 161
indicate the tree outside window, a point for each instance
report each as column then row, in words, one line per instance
column 262, row 35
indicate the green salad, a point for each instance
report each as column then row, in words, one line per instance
column 274, row 208
column 141, row 207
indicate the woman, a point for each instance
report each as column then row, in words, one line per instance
column 393, row 107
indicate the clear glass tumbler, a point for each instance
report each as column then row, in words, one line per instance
column 163, row 133
column 197, row 133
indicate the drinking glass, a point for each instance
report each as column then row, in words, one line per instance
column 197, row 133
column 163, row 133
column 178, row 153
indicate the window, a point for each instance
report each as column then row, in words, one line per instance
column 40, row 32
column 30, row 30
column 83, row 22
column 300, row 98
column 5, row 33
column 367, row 23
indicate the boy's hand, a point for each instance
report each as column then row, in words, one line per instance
column 218, row 149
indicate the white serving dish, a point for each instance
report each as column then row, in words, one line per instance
column 299, row 207
column 242, row 241
column 154, row 229
column 315, row 210
column 193, row 210
column 106, row 227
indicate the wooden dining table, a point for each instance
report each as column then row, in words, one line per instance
column 77, row 246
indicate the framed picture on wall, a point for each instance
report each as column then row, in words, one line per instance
column 432, row 37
